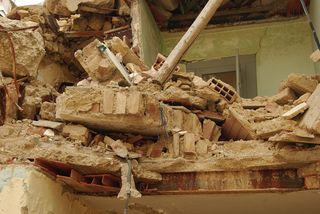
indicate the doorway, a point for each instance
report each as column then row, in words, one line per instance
column 225, row 70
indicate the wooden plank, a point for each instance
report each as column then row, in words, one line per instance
column 311, row 119
column 187, row 40
column 119, row 66
column 302, row 107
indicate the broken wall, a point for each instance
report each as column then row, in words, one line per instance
column 146, row 32
column 281, row 48
column 315, row 16
column 26, row 190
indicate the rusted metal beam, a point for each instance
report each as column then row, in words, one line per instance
column 2, row 105
column 221, row 182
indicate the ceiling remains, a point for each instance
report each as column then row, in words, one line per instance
column 179, row 14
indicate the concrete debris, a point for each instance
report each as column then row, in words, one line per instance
column 35, row 93
column 284, row 96
column 77, row 132
column 48, row 111
column 128, row 187
column 98, row 66
column 103, row 114
column 28, row 46
column 301, row 84
column 48, row 124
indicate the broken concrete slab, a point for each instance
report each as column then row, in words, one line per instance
column 311, row 119
column 294, row 137
column 96, row 109
column 253, row 155
column 301, row 84
column 48, row 124
column 176, row 95
column 268, row 128
column 285, row 96
column 28, row 45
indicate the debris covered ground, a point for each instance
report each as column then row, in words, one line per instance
column 77, row 100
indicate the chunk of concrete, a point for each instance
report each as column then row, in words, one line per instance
column 301, row 84
column 54, row 73
column 98, row 65
column 91, row 107
column 28, row 46
column 77, row 132
column 285, row 96
column 48, row 111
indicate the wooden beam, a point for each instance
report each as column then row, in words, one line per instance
column 230, row 12
column 187, row 40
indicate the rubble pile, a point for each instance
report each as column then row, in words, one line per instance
column 112, row 110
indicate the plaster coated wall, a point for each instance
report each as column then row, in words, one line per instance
column 281, row 48
column 315, row 15
column 25, row 190
column 147, row 32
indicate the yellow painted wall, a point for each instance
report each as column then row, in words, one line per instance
column 315, row 15
column 281, row 48
column 147, row 33
column 25, row 190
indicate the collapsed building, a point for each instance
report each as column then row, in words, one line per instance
column 80, row 109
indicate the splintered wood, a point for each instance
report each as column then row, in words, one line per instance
column 311, row 119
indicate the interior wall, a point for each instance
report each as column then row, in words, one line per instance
column 281, row 48
column 25, row 190
column 315, row 15
column 147, row 35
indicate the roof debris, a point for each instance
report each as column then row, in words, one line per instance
column 87, row 121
